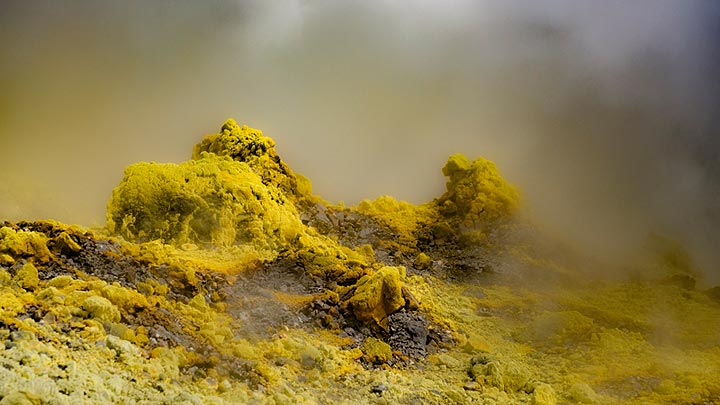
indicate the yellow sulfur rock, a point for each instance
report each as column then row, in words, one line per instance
column 376, row 351
column 324, row 258
column 60, row 281
column 5, row 278
column 6, row 260
column 50, row 294
column 27, row 277
column 198, row 302
column 24, row 244
column 66, row 244
column 378, row 295
column 476, row 192
column 101, row 309
column 422, row 261
column 400, row 216
column 10, row 303
column 475, row 344
column 249, row 145
column 93, row 329
column 20, row 398
column 122, row 331
column 141, row 336
column 123, row 297
column 236, row 207
column 582, row 393
column 209, row 200
column 544, row 395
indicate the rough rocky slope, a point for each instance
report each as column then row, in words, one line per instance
column 225, row 280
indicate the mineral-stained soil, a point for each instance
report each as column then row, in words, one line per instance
column 225, row 280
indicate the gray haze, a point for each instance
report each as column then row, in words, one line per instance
column 603, row 112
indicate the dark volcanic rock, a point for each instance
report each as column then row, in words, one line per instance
column 408, row 334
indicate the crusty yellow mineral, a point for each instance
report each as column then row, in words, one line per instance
column 378, row 295
column 375, row 351
column 476, row 192
column 211, row 200
column 24, row 244
column 27, row 277
column 249, row 145
column 101, row 309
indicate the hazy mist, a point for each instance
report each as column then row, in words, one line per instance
column 605, row 113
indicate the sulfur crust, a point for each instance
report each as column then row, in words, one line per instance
column 236, row 206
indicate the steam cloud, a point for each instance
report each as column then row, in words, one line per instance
column 604, row 113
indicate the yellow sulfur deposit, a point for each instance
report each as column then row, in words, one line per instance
column 248, row 145
column 378, row 295
column 223, row 280
column 376, row 351
column 27, row 277
column 23, row 244
column 212, row 200
column 101, row 309
column 476, row 192
column 400, row 216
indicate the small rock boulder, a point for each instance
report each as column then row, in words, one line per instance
column 378, row 295
column 375, row 351
column 27, row 277
column 101, row 309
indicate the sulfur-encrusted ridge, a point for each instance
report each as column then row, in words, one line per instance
column 224, row 280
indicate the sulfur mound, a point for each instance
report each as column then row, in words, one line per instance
column 248, row 145
column 209, row 200
column 379, row 295
column 476, row 193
